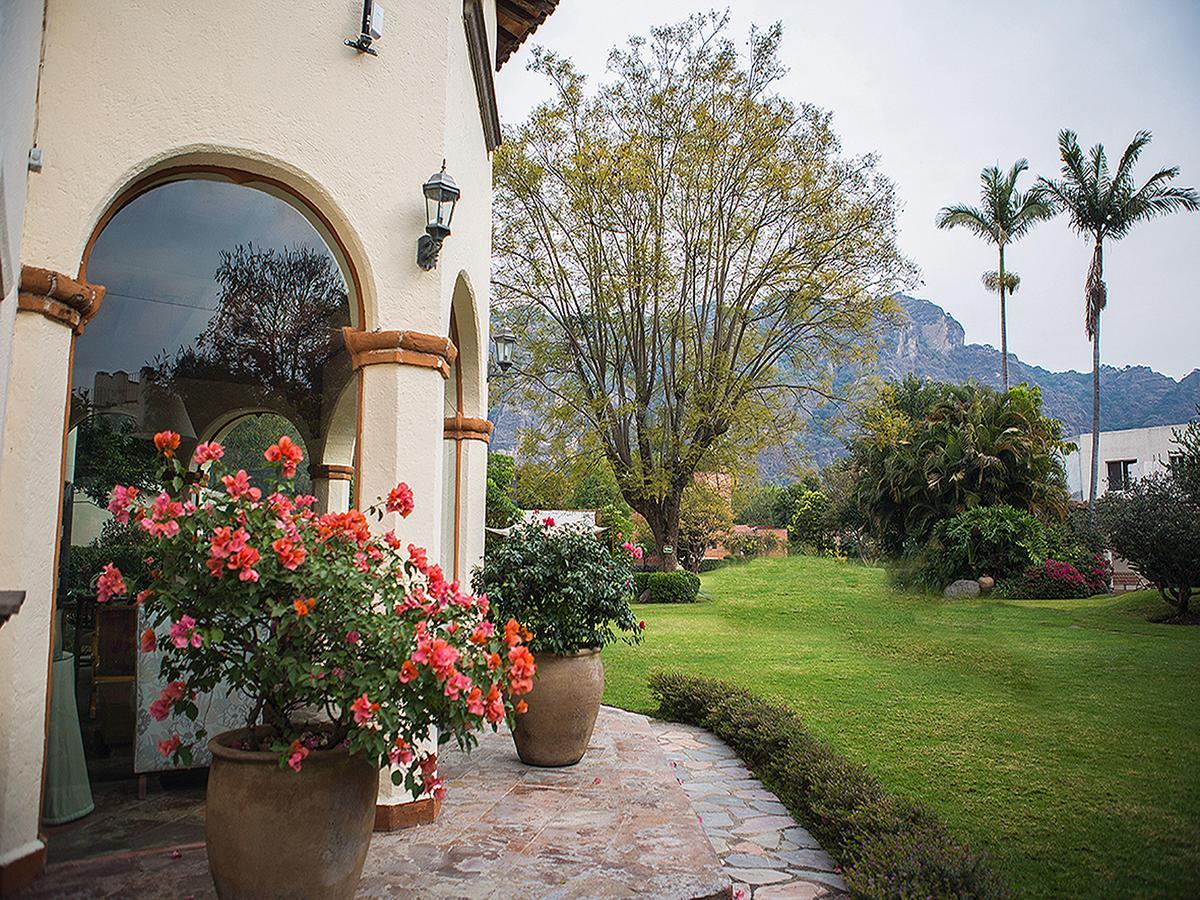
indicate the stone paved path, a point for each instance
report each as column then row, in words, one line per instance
column 765, row 852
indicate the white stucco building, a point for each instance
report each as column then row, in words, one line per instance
column 1124, row 455
column 176, row 148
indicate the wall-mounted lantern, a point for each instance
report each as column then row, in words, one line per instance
column 441, row 193
column 505, row 342
column 372, row 29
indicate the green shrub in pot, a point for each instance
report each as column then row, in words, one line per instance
column 572, row 593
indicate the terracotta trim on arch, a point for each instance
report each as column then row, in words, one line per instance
column 467, row 428
column 58, row 297
column 405, row 348
column 331, row 472
column 236, row 176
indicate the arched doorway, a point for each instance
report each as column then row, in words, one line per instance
column 466, row 436
column 223, row 318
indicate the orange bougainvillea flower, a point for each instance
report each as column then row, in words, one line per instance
column 303, row 606
column 520, row 671
column 166, row 443
column 408, row 671
column 285, row 452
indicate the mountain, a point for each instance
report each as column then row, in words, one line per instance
column 931, row 343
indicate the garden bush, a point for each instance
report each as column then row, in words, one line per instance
column 888, row 847
column 562, row 584
column 1155, row 524
column 673, row 587
column 1000, row 541
column 1051, row 580
column 711, row 565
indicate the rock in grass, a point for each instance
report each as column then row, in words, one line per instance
column 964, row 587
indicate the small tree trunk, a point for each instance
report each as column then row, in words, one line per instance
column 1095, row 421
column 1003, row 327
column 663, row 519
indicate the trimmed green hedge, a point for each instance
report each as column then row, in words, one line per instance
column 672, row 587
column 888, row 847
column 640, row 581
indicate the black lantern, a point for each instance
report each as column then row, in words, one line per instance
column 505, row 341
column 441, row 193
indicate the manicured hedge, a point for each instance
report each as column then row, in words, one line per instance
column 888, row 847
column 672, row 587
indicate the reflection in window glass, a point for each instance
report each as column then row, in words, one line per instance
column 222, row 319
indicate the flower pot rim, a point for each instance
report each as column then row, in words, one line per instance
column 218, row 746
column 586, row 651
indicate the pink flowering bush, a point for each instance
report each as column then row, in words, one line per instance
column 337, row 635
column 1050, row 580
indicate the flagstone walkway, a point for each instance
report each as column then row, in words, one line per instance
column 766, row 854
column 654, row 809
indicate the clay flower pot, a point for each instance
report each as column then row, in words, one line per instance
column 272, row 832
column 563, row 706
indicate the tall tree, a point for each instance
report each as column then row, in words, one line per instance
column 689, row 254
column 1104, row 206
column 1003, row 216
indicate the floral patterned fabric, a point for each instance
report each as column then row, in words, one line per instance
column 219, row 711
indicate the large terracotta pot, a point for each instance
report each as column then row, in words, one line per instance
column 272, row 832
column 563, row 705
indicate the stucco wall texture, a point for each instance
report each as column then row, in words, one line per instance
column 131, row 87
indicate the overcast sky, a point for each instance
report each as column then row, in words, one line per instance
column 941, row 89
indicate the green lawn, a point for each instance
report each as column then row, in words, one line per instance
column 1061, row 736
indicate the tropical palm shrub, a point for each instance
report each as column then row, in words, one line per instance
column 927, row 451
column 988, row 540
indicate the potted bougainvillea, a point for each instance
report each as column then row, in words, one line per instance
column 349, row 648
column 572, row 594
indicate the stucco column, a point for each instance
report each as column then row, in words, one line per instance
column 331, row 486
column 51, row 307
column 403, row 384
column 466, row 493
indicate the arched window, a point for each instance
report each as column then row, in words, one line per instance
column 222, row 320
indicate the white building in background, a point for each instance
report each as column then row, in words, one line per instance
column 1124, row 456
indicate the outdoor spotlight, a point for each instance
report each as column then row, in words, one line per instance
column 505, row 341
column 372, row 28
column 441, row 193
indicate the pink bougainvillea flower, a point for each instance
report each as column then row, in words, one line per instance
column 290, row 553
column 456, row 684
column 285, row 452
column 169, row 746
column 207, row 452
column 494, row 706
column 122, row 500
column 297, row 753
column 418, row 557
column 149, row 641
column 520, row 670
column 161, row 708
column 158, row 519
column 400, row 500
column 548, row 521
column 483, row 633
column 475, row 701
column 239, row 486
column 361, row 562
column 353, row 637
column 110, row 584
column 364, row 710
column 401, row 753
column 243, row 563
column 442, row 657
column 184, row 632
column 225, row 542
column 166, row 443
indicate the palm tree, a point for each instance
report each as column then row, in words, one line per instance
column 1102, row 206
column 1003, row 216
